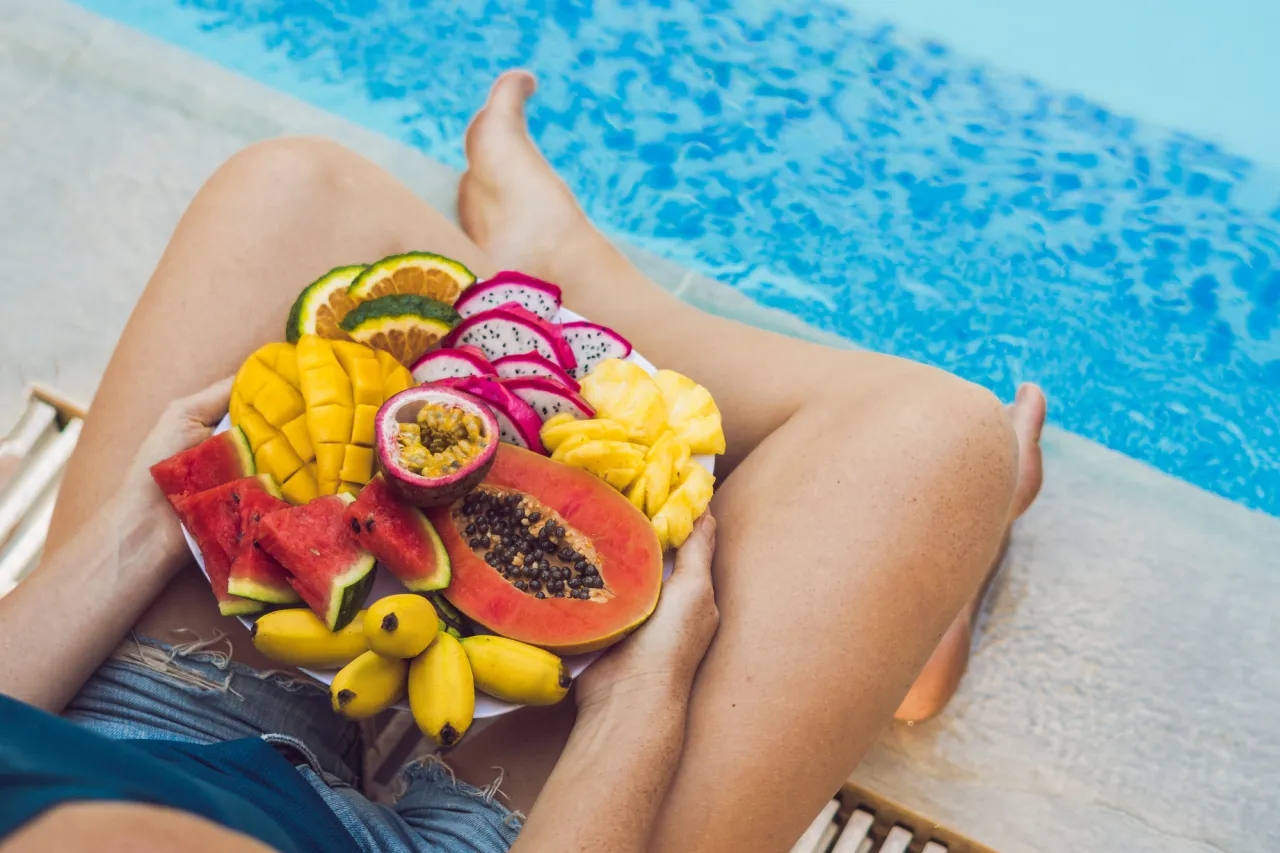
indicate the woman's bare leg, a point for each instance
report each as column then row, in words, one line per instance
column 938, row 681
column 273, row 218
column 867, row 500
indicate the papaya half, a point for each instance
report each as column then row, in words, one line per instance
column 550, row 555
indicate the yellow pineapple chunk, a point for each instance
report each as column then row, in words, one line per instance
column 623, row 392
column 600, row 456
column 659, row 470
column 560, row 428
column 674, row 521
column 691, row 412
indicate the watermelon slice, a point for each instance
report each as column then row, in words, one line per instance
column 328, row 567
column 212, row 517
column 254, row 574
column 400, row 536
column 213, row 462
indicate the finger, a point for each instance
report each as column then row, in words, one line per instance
column 693, row 560
column 208, row 406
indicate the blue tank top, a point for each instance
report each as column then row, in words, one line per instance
column 244, row 785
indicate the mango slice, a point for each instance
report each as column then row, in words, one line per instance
column 308, row 412
column 266, row 402
column 340, row 380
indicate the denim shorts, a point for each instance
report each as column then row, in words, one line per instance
column 150, row 691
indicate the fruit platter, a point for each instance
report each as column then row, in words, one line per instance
column 442, row 493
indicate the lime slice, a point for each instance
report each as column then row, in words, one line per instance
column 420, row 273
column 321, row 306
column 404, row 325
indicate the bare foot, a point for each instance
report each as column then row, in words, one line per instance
column 941, row 676
column 510, row 201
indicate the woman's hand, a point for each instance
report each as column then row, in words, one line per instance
column 184, row 423
column 662, row 656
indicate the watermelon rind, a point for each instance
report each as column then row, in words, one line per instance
column 354, row 584
column 439, row 579
column 378, row 502
column 243, row 450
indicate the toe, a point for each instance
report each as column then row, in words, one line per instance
column 501, row 117
column 508, row 94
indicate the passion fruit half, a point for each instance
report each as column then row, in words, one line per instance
column 434, row 444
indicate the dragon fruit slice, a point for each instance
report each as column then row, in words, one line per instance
column 533, row 294
column 510, row 330
column 518, row 423
column 592, row 344
column 452, row 364
column 532, row 364
column 548, row 397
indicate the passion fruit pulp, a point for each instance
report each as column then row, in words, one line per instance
column 434, row 444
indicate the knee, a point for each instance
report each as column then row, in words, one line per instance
column 293, row 171
column 964, row 430
column 953, row 438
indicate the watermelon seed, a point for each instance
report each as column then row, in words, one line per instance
column 390, row 623
column 368, row 524
column 355, row 526
column 314, row 551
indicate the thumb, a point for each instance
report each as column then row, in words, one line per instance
column 209, row 405
column 693, row 560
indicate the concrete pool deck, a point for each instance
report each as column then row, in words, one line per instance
column 1124, row 690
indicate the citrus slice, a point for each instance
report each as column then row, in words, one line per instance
column 404, row 325
column 321, row 306
column 419, row 273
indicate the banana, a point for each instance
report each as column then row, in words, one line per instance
column 297, row 637
column 400, row 626
column 516, row 672
column 442, row 694
column 368, row 685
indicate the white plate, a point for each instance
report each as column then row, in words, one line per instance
column 385, row 584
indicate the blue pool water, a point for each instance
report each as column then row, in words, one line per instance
column 875, row 185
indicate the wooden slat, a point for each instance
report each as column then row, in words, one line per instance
column 888, row 814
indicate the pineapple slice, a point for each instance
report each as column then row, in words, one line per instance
column 691, row 411
column 674, row 521
column 561, row 428
column 623, row 392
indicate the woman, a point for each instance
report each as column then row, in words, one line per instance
column 863, row 501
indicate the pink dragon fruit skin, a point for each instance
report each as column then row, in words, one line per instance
column 532, row 364
column 535, row 295
column 451, row 363
column 564, row 353
column 548, row 397
column 511, row 330
column 592, row 344
column 518, row 423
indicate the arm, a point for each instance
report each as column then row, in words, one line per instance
column 609, row 783
column 60, row 623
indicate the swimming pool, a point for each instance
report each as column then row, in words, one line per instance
column 875, row 185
